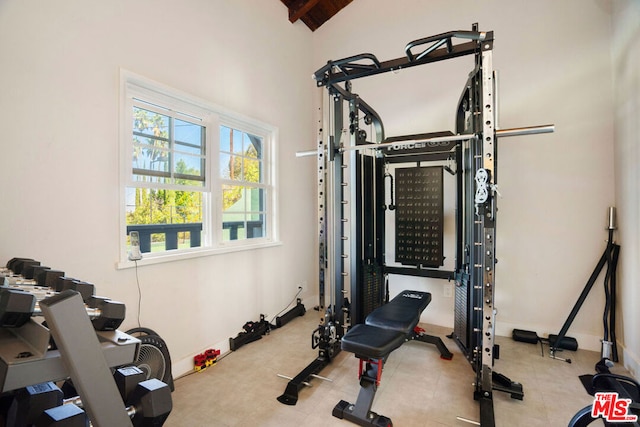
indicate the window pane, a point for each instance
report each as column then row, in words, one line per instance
column 255, row 199
column 232, row 200
column 231, row 166
column 225, row 166
column 184, row 240
column 150, row 161
column 256, row 226
column 235, row 144
column 189, row 137
column 149, row 123
column 254, row 147
column 165, row 219
column 158, row 242
column 252, row 172
column 152, row 179
column 149, row 143
column 233, row 227
column 225, row 139
column 189, row 170
column 239, row 227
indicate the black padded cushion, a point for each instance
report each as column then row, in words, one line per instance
column 402, row 313
column 371, row 342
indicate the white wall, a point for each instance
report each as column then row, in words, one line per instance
column 59, row 82
column 554, row 64
column 626, row 66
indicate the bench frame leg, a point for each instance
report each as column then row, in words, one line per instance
column 361, row 413
column 420, row 335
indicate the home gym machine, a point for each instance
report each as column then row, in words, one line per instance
column 352, row 173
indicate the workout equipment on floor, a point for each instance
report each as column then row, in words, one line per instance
column 153, row 357
column 203, row 360
column 567, row 343
column 252, row 331
column 353, row 156
column 385, row 329
column 617, row 398
column 609, row 259
column 295, row 311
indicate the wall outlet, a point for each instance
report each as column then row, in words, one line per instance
column 302, row 286
column 447, row 290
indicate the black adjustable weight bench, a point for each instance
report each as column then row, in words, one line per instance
column 385, row 329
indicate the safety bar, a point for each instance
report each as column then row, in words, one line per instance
column 307, row 153
column 530, row 130
column 440, row 39
column 422, row 142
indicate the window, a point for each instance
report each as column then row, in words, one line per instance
column 242, row 183
column 196, row 179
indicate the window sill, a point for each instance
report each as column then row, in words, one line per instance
column 186, row 254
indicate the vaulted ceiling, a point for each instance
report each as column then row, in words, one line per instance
column 314, row 13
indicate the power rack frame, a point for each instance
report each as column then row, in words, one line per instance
column 351, row 204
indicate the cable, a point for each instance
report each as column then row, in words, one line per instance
column 139, row 292
column 288, row 305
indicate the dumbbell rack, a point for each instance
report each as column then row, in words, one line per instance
column 82, row 354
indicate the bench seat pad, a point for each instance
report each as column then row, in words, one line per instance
column 402, row 313
column 371, row 342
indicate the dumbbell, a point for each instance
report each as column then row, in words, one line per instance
column 37, row 275
column 17, row 307
column 30, row 402
column 31, row 275
column 28, row 276
column 148, row 403
column 28, row 268
column 16, row 263
column 69, row 414
column 21, row 266
column 63, row 416
column 63, row 283
column 86, row 289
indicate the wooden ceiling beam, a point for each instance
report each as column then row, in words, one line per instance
column 300, row 8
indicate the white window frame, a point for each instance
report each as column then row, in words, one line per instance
column 150, row 92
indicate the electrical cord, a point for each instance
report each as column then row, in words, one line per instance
column 139, row 293
column 288, row 305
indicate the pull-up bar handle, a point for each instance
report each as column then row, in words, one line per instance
column 349, row 62
column 440, row 39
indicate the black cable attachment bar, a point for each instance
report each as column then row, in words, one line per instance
column 366, row 64
column 441, row 39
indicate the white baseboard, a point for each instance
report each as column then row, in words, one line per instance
column 185, row 365
column 631, row 362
